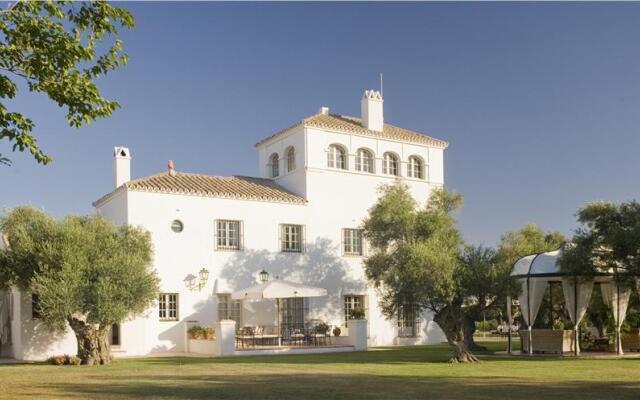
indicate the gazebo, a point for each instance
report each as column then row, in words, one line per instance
column 536, row 271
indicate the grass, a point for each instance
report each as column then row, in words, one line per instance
column 381, row 373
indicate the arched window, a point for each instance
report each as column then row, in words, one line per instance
column 337, row 157
column 364, row 161
column 390, row 164
column 274, row 165
column 415, row 168
column 290, row 155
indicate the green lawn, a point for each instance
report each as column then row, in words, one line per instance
column 382, row 373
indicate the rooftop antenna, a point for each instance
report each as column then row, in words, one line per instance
column 381, row 94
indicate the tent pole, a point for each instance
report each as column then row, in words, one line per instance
column 618, row 322
column 575, row 316
column 278, row 319
column 529, row 322
column 509, row 319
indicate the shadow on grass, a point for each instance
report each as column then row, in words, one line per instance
column 335, row 386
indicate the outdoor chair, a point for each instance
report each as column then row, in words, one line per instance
column 246, row 336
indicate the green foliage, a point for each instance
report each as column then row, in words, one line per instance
column 337, row 331
column 356, row 313
column 80, row 267
column 609, row 239
column 321, row 328
column 487, row 326
column 528, row 240
column 415, row 250
column 58, row 48
column 201, row 332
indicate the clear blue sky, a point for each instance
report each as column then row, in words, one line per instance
column 540, row 102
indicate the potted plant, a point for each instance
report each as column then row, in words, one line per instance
column 321, row 328
column 336, row 331
column 208, row 333
column 193, row 332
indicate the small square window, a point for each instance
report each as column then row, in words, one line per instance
column 352, row 242
column 168, row 306
column 291, row 238
column 228, row 235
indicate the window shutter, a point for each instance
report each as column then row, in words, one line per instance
column 303, row 238
column 342, row 240
column 280, row 237
column 240, row 235
column 215, row 234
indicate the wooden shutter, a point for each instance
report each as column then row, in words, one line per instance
column 240, row 235
column 303, row 238
column 280, row 237
column 215, row 234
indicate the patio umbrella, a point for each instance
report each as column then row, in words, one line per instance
column 277, row 289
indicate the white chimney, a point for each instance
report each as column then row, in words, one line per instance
column 121, row 165
column 371, row 107
column 324, row 111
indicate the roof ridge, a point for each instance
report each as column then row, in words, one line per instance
column 352, row 124
column 191, row 183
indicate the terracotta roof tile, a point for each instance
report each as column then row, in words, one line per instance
column 354, row 125
column 232, row 187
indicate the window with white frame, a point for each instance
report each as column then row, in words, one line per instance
column 291, row 238
column 228, row 235
column 168, row 306
column 291, row 159
column 390, row 164
column 337, row 157
column 415, row 168
column 364, row 161
column 274, row 165
column 352, row 302
column 352, row 244
column 229, row 308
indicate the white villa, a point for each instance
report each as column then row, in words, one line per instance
column 300, row 220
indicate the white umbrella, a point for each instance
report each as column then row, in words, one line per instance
column 278, row 289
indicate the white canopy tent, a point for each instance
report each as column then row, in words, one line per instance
column 537, row 270
column 278, row 289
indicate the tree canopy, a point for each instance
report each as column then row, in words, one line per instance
column 609, row 239
column 59, row 48
column 416, row 258
column 86, row 272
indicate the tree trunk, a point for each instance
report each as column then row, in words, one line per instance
column 451, row 323
column 469, row 328
column 93, row 343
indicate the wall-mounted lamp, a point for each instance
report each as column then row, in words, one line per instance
column 264, row 276
column 204, row 277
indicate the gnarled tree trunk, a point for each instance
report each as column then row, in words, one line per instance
column 469, row 328
column 93, row 342
column 451, row 323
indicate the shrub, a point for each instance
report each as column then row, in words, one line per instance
column 336, row 331
column 72, row 360
column 57, row 360
column 64, row 359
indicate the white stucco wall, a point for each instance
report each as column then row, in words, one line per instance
column 336, row 199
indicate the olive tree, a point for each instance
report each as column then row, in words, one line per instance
column 88, row 274
column 60, row 49
column 417, row 258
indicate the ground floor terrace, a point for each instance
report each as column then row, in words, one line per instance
column 380, row 373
